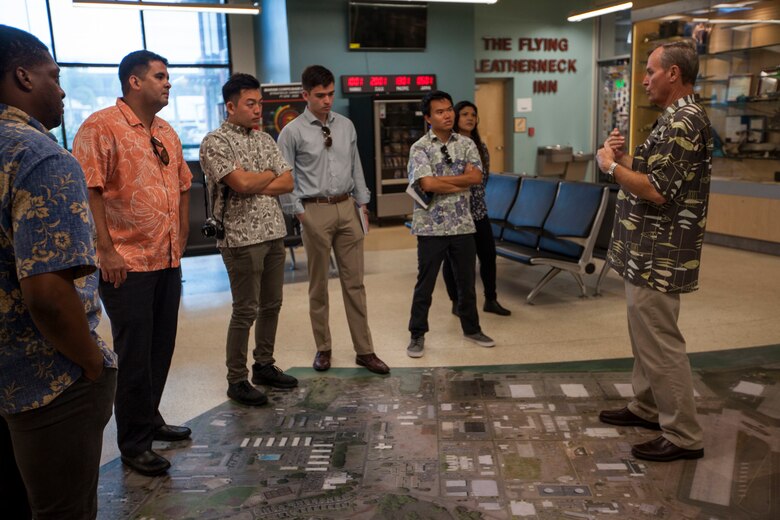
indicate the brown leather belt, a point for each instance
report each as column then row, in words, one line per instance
column 335, row 199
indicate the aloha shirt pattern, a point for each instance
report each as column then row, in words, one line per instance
column 659, row 246
column 45, row 227
column 448, row 214
column 248, row 218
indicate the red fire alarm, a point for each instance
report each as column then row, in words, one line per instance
column 531, row 131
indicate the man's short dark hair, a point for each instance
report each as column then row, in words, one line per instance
column 136, row 64
column 239, row 81
column 434, row 95
column 683, row 54
column 20, row 49
column 316, row 76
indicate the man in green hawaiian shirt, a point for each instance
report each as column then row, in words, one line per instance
column 656, row 247
column 57, row 378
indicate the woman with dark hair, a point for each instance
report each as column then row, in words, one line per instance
column 466, row 124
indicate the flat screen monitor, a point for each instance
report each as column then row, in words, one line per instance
column 387, row 26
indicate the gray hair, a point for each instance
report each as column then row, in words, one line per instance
column 683, row 54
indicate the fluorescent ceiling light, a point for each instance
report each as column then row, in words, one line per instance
column 453, row 1
column 166, row 6
column 742, row 21
column 600, row 11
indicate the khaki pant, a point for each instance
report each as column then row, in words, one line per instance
column 336, row 226
column 256, row 276
column 662, row 380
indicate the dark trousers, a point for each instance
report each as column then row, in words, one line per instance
column 143, row 312
column 486, row 253
column 56, row 449
column 431, row 252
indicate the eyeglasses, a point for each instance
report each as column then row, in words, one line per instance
column 446, row 153
column 326, row 135
column 160, row 151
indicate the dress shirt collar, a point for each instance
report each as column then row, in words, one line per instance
column 312, row 119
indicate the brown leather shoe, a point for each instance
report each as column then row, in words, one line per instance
column 625, row 417
column 661, row 450
column 321, row 360
column 372, row 363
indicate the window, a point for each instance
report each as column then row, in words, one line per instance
column 89, row 43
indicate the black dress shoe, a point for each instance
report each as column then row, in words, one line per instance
column 496, row 308
column 321, row 360
column 661, row 450
column 170, row 433
column 625, row 417
column 455, row 308
column 372, row 363
column 147, row 463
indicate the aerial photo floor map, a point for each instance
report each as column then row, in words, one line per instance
column 503, row 442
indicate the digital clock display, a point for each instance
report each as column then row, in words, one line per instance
column 382, row 83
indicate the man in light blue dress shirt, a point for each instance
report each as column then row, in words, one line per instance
column 329, row 200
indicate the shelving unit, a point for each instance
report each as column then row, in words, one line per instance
column 744, row 197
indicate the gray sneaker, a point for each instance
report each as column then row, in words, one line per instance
column 415, row 348
column 480, row 339
column 247, row 394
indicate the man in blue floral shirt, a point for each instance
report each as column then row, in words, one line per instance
column 57, row 378
column 446, row 165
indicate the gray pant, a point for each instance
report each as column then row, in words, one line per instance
column 57, row 449
column 256, row 276
column 662, row 380
column 336, row 226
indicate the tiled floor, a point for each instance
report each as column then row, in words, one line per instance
column 737, row 306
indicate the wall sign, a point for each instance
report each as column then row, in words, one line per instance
column 549, row 63
column 383, row 83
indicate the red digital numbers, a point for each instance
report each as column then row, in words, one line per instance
column 403, row 81
column 377, row 81
column 424, row 81
column 355, row 81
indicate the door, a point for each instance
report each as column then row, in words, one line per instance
column 489, row 96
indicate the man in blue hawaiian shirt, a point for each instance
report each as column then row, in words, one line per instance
column 57, row 378
column 445, row 164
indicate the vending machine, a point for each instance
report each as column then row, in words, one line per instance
column 388, row 119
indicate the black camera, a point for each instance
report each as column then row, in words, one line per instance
column 213, row 228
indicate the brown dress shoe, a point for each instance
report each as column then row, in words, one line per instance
column 321, row 360
column 372, row 363
column 661, row 450
column 625, row 417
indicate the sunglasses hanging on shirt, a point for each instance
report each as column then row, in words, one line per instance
column 160, row 151
column 446, row 153
column 326, row 135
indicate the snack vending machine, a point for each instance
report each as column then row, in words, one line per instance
column 387, row 124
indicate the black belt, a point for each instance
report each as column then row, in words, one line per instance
column 335, row 199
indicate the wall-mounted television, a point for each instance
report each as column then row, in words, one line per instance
column 387, row 26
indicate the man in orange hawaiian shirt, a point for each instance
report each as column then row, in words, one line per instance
column 139, row 196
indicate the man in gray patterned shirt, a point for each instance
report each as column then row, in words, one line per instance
column 445, row 164
column 246, row 172
column 656, row 247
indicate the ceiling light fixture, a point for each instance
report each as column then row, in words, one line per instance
column 167, row 6
column 452, row 1
column 733, row 21
column 600, row 11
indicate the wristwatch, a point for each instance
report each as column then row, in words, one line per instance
column 611, row 171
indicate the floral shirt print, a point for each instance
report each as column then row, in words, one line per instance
column 448, row 213
column 659, row 246
column 248, row 219
column 45, row 227
column 140, row 193
column 478, row 204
